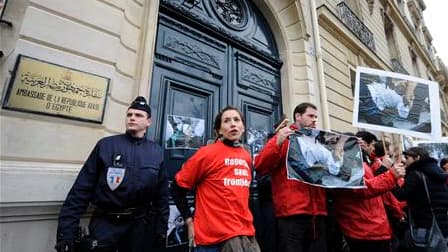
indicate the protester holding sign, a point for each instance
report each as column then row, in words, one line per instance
column 300, row 208
column 381, row 163
column 360, row 213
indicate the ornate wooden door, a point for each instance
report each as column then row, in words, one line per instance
column 210, row 54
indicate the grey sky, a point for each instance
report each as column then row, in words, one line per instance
column 436, row 19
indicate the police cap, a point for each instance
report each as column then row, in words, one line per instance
column 141, row 104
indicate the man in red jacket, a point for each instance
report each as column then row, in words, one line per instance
column 300, row 208
column 394, row 209
column 361, row 213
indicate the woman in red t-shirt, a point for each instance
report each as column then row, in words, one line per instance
column 220, row 174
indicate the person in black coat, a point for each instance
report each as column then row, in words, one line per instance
column 413, row 190
column 125, row 181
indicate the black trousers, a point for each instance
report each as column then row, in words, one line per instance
column 132, row 235
column 302, row 233
column 368, row 246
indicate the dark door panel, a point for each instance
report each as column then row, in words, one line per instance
column 256, row 77
column 260, row 116
column 183, row 114
column 190, row 51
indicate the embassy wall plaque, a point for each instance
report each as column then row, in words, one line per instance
column 46, row 88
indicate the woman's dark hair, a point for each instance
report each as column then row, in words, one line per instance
column 417, row 151
column 443, row 162
column 218, row 119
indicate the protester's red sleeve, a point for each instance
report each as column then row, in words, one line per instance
column 376, row 185
column 271, row 156
column 393, row 205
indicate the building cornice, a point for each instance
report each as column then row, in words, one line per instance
column 410, row 35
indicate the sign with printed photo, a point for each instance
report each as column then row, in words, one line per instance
column 437, row 150
column 325, row 159
column 407, row 142
column 2, row 7
column 184, row 132
column 256, row 139
column 177, row 233
column 41, row 87
column 396, row 103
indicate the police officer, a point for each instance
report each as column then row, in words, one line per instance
column 125, row 181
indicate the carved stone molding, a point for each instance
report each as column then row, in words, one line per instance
column 262, row 80
column 233, row 13
column 192, row 32
column 219, row 29
column 191, row 50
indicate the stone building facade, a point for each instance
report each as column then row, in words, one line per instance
column 283, row 53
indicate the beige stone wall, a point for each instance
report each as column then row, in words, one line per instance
column 99, row 37
column 41, row 155
column 337, row 78
column 291, row 28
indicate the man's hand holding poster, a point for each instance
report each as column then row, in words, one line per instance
column 325, row 159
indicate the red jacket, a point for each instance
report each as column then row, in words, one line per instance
column 391, row 203
column 290, row 197
column 360, row 213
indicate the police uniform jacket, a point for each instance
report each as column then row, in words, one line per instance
column 144, row 184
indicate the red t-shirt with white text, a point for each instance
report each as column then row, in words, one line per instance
column 221, row 175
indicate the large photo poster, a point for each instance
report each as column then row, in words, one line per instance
column 325, row 159
column 437, row 150
column 396, row 103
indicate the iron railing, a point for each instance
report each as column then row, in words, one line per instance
column 349, row 18
column 398, row 67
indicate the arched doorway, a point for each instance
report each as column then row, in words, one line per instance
column 210, row 54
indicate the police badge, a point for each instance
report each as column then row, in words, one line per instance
column 115, row 174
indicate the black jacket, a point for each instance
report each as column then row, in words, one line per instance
column 144, row 184
column 413, row 191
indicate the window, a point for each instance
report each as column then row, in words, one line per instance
column 352, row 79
column 416, row 14
column 415, row 63
column 390, row 37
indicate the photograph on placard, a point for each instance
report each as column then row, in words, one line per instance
column 396, row 103
column 437, row 150
column 325, row 159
